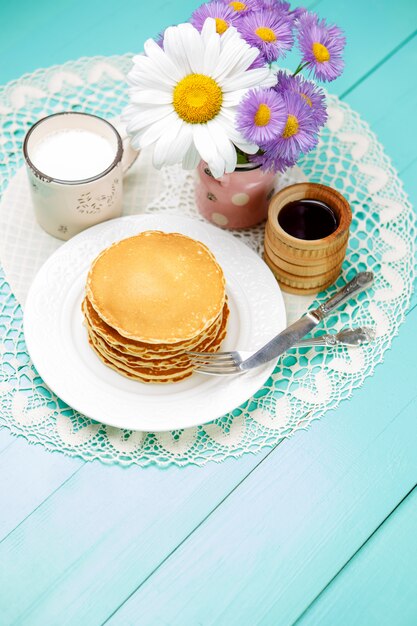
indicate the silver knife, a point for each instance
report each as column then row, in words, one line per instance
column 292, row 334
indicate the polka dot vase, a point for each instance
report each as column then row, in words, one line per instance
column 236, row 200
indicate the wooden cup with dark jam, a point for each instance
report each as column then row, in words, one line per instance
column 306, row 236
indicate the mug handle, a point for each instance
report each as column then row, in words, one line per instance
column 129, row 154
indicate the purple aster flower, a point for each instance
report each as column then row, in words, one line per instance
column 308, row 18
column 309, row 91
column 260, row 61
column 322, row 46
column 261, row 116
column 160, row 39
column 298, row 12
column 269, row 160
column 223, row 15
column 271, row 34
column 300, row 131
column 240, row 7
column 282, row 8
column 276, row 5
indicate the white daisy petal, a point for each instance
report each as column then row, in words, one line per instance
column 246, row 60
column 128, row 112
column 147, row 80
column 142, row 64
column 193, row 47
column 211, row 54
column 144, row 79
column 251, row 78
column 157, row 129
column 204, row 143
column 178, row 148
column 224, row 145
column 162, row 61
column 174, row 48
column 232, row 38
column 270, row 80
column 206, row 146
column 233, row 98
column 140, row 60
column 230, row 34
column 230, row 54
column 150, row 96
column 135, row 142
column 227, row 120
column 143, row 118
column 164, row 143
column 209, row 28
column 191, row 158
column 217, row 167
column 249, row 148
column 228, row 114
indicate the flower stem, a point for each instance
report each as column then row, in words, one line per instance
column 300, row 67
column 242, row 157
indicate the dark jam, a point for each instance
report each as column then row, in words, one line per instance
column 308, row 219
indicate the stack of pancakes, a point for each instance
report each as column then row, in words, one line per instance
column 149, row 299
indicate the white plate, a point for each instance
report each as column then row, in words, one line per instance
column 57, row 340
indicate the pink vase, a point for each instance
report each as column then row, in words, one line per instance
column 236, row 200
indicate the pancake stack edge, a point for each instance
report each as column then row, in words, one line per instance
column 149, row 299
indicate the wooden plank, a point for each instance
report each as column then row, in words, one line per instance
column 6, row 439
column 409, row 178
column 273, row 545
column 391, row 110
column 397, row 103
column 69, row 29
column 378, row 586
column 103, row 532
column 98, row 27
column 137, row 531
column 29, row 474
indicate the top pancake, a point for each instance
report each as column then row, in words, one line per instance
column 157, row 287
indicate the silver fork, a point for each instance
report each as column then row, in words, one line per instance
column 223, row 363
column 352, row 337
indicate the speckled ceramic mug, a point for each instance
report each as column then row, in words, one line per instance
column 64, row 208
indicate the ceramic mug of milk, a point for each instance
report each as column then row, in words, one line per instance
column 75, row 163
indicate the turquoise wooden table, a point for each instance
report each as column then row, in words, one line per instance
column 318, row 530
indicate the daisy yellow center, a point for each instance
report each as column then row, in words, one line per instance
column 321, row 53
column 266, row 34
column 291, row 127
column 238, row 6
column 197, row 98
column 307, row 99
column 221, row 25
column 263, row 115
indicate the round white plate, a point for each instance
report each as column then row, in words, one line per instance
column 57, row 340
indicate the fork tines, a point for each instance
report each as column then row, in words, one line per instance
column 214, row 362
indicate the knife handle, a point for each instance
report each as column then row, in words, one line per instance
column 356, row 285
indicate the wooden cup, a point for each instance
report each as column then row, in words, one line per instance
column 306, row 265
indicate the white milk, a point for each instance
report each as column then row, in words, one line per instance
column 72, row 154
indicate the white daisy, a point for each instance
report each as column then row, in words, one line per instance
column 184, row 96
